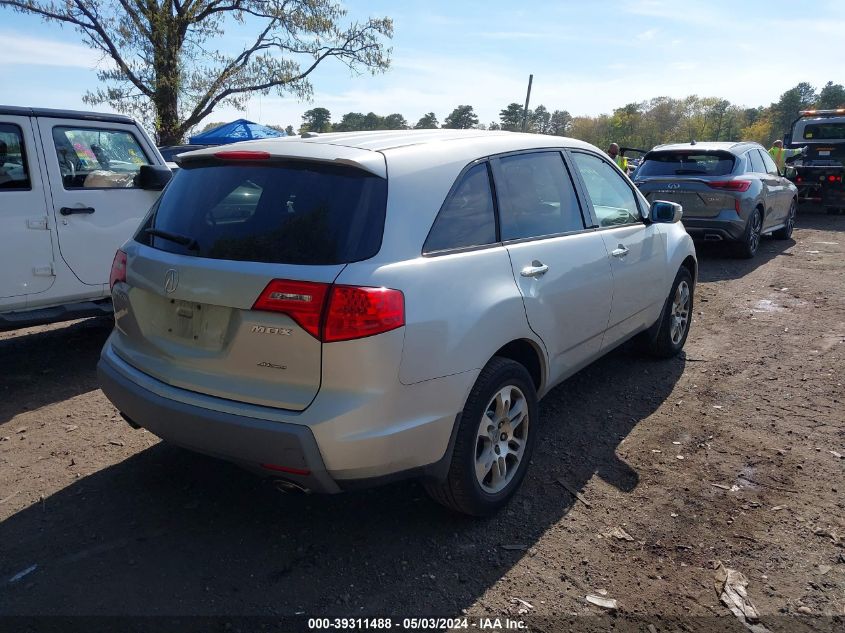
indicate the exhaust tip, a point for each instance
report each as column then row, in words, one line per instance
column 283, row 485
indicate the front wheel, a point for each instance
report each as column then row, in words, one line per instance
column 674, row 324
column 786, row 232
column 495, row 441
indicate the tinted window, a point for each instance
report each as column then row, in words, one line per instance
column 536, row 196
column 686, row 163
column 756, row 165
column 13, row 168
column 467, row 218
column 97, row 158
column 294, row 213
column 770, row 166
column 613, row 200
column 825, row 132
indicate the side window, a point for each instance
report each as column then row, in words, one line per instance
column 13, row 168
column 613, row 200
column 536, row 197
column 97, row 158
column 770, row 166
column 756, row 163
column 467, row 217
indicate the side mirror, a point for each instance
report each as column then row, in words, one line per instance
column 790, row 172
column 153, row 177
column 664, row 212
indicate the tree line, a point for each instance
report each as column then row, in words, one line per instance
column 641, row 125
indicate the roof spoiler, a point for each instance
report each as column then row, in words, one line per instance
column 372, row 162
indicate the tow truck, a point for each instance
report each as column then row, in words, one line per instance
column 818, row 173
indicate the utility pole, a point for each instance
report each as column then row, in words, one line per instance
column 527, row 99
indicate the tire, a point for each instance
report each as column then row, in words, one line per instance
column 786, row 232
column 470, row 486
column 750, row 242
column 675, row 320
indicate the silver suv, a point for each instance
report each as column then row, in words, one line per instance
column 347, row 309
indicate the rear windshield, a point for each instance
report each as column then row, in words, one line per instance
column 291, row 213
column 825, row 132
column 686, row 164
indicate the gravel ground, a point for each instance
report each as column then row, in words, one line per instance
column 733, row 452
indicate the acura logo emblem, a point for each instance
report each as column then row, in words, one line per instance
column 171, row 280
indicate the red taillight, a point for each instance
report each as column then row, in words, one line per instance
column 730, row 185
column 286, row 469
column 358, row 312
column 798, row 179
column 335, row 313
column 301, row 300
column 118, row 269
column 832, row 178
column 242, row 154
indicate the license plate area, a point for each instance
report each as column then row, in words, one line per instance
column 197, row 324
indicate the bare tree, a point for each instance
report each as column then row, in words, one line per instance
column 167, row 70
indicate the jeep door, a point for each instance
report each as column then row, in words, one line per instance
column 26, row 254
column 92, row 166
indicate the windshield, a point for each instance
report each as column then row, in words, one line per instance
column 290, row 213
column 686, row 163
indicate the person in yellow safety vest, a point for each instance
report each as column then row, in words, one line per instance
column 621, row 161
column 779, row 155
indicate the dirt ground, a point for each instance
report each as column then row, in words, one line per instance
column 733, row 452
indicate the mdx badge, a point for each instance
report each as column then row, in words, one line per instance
column 266, row 329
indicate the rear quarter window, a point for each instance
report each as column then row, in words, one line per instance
column 281, row 213
column 686, row 163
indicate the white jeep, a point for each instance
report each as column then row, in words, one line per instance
column 73, row 187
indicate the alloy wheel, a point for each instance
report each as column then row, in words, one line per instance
column 501, row 439
column 754, row 233
column 680, row 313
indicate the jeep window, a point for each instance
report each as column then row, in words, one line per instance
column 13, row 168
column 536, row 196
column 467, row 218
column 613, row 199
column 825, row 132
column 280, row 213
column 94, row 158
column 686, row 163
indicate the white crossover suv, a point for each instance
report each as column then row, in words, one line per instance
column 342, row 310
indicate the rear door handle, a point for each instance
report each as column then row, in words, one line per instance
column 536, row 269
column 75, row 210
column 619, row 251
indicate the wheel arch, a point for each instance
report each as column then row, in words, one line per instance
column 528, row 354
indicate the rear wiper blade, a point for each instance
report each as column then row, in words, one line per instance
column 686, row 172
column 188, row 242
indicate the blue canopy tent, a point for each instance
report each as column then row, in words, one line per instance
column 240, row 130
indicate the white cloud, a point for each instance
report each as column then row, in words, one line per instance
column 648, row 35
column 22, row 50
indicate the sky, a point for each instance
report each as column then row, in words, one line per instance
column 586, row 57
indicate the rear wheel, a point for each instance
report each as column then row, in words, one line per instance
column 495, row 441
column 786, row 232
column 750, row 242
column 675, row 320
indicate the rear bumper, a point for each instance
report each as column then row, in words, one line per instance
column 727, row 226
column 224, row 435
column 345, row 439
